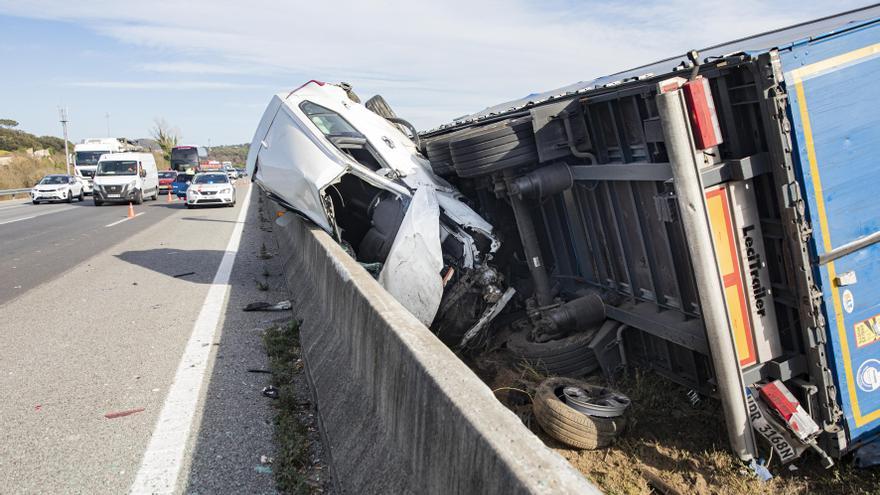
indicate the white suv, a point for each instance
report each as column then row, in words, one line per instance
column 57, row 188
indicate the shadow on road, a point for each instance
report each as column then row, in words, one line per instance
column 178, row 263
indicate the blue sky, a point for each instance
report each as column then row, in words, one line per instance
column 209, row 67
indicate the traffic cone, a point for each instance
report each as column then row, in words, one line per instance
column 130, row 210
column 169, row 196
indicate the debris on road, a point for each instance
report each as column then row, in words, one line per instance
column 263, row 469
column 257, row 370
column 270, row 392
column 183, row 274
column 265, row 306
column 120, row 414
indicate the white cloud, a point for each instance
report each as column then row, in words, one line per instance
column 164, row 85
column 189, row 68
column 439, row 60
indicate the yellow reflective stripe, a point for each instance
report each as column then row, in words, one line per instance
column 797, row 76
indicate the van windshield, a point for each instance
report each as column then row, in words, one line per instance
column 124, row 167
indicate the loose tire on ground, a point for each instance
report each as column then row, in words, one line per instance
column 494, row 147
column 568, row 356
column 567, row 425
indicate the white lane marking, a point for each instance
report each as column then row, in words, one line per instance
column 13, row 205
column 124, row 219
column 18, row 219
column 50, row 212
column 163, row 458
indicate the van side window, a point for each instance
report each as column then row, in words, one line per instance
column 328, row 121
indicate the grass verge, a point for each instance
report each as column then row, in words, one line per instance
column 291, row 435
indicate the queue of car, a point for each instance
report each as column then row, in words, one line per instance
column 130, row 177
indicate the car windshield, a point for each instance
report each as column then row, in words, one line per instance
column 122, row 167
column 211, row 179
column 89, row 157
column 54, row 179
column 328, row 121
column 166, row 175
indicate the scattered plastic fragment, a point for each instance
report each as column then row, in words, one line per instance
column 760, row 470
column 270, row 392
column 264, row 459
column 792, row 468
column 183, row 274
column 263, row 469
column 257, row 370
column 120, row 414
column 264, row 306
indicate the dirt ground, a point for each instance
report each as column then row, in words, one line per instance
column 670, row 446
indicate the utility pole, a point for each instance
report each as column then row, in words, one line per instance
column 107, row 116
column 63, row 113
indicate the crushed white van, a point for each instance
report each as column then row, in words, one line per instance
column 358, row 176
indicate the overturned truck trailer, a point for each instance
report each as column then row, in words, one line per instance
column 722, row 205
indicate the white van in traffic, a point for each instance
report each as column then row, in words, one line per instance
column 126, row 177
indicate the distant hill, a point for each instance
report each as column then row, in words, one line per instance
column 16, row 140
column 235, row 153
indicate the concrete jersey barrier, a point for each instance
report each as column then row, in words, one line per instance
column 400, row 413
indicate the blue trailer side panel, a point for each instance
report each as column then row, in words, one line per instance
column 834, row 102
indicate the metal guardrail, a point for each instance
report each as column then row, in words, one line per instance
column 13, row 192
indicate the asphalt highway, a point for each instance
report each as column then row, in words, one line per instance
column 97, row 313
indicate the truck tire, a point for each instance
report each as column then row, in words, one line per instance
column 568, row 356
column 488, row 149
column 438, row 155
column 567, row 425
column 380, row 107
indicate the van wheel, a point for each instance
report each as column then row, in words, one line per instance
column 494, row 147
column 82, row 196
column 155, row 196
column 569, row 426
column 139, row 198
column 97, row 202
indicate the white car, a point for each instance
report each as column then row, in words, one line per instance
column 57, row 188
column 358, row 176
column 210, row 188
column 231, row 172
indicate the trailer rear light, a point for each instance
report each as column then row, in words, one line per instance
column 777, row 396
column 701, row 109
